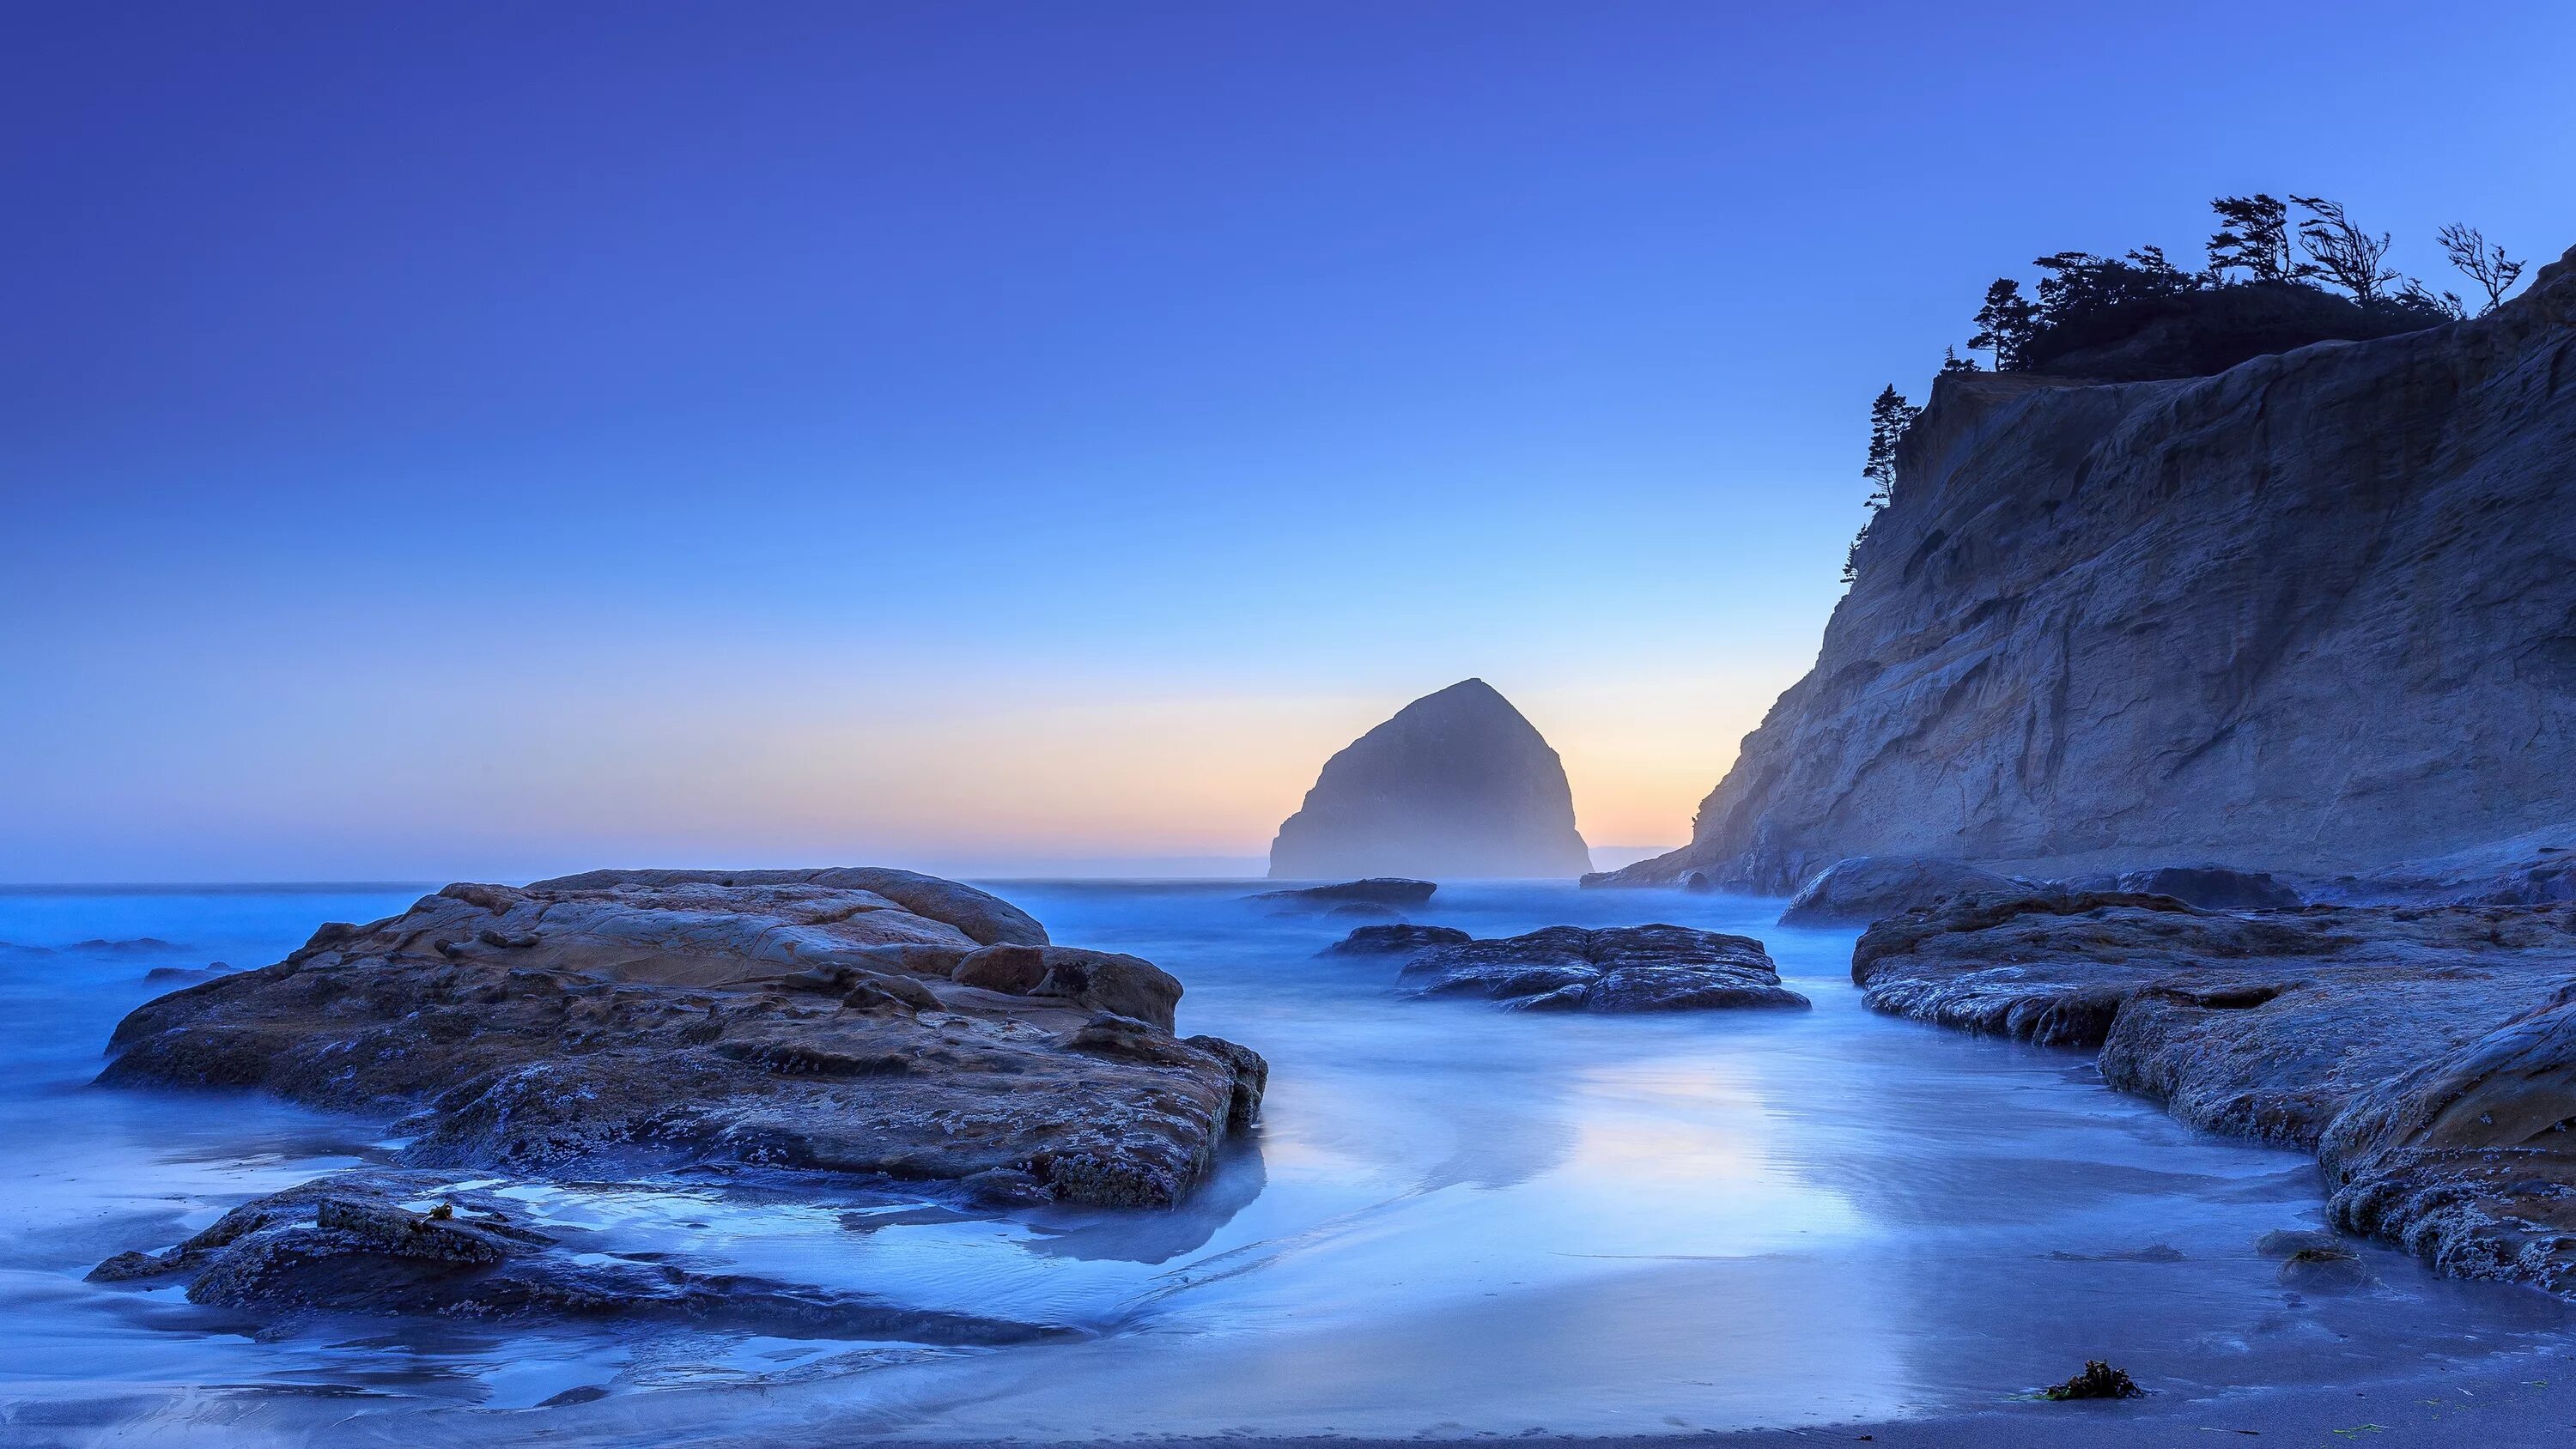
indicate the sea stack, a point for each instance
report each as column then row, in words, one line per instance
column 1456, row 785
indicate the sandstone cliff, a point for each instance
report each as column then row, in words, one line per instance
column 1457, row 784
column 2314, row 613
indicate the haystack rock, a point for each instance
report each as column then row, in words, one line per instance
column 1456, row 785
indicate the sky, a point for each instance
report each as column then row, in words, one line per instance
column 488, row 440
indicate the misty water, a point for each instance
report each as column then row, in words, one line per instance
column 1454, row 1220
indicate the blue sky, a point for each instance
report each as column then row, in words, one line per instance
column 482, row 440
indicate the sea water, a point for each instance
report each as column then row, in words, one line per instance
column 1453, row 1220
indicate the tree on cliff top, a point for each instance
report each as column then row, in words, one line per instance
column 2005, row 324
column 2415, row 296
column 2488, row 267
column 2080, row 284
column 2345, row 254
column 2254, row 237
column 2270, row 286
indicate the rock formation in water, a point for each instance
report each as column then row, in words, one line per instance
column 2316, row 613
column 418, row 1242
column 846, row 1021
column 1381, row 891
column 2427, row 1054
column 1569, row 968
column 1456, row 785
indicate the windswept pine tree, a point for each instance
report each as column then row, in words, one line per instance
column 2253, row 237
column 2344, row 254
column 2485, row 265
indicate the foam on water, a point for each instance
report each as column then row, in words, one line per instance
column 1454, row 1219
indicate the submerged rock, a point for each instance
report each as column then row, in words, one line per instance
column 1873, row 887
column 2427, row 1054
column 776, row 1018
column 1363, row 911
column 2290, row 1242
column 1613, row 969
column 2333, row 1269
column 414, row 1243
column 174, row 975
column 1456, row 784
column 1375, row 891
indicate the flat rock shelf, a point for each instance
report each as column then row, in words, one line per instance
column 2427, row 1054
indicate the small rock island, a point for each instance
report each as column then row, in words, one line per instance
column 1456, row 785
column 1572, row 968
column 858, row 1020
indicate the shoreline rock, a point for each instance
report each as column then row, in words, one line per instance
column 2426, row 1054
column 847, row 1021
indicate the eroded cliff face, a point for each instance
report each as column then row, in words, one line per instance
column 2315, row 613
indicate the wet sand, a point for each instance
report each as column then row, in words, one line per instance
column 2526, row 1403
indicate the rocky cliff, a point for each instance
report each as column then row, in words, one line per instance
column 1457, row 784
column 2315, row 613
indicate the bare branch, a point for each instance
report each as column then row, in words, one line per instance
column 2348, row 256
column 2488, row 267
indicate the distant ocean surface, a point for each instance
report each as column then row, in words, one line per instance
column 1455, row 1220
